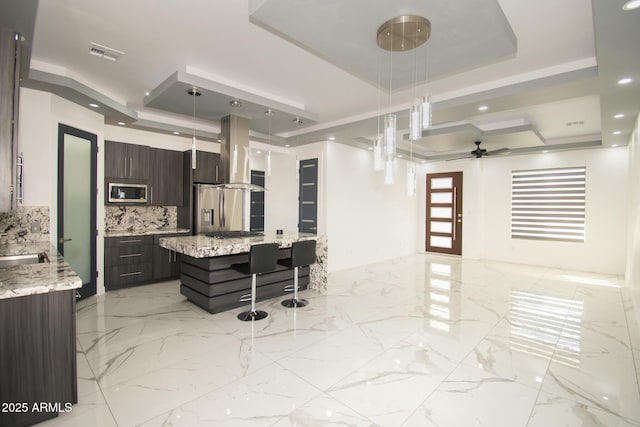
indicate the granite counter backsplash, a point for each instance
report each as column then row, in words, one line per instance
column 25, row 224
column 140, row 218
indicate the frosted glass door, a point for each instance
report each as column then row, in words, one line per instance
column 77, row 204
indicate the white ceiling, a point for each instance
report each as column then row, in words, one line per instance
column 554, row 78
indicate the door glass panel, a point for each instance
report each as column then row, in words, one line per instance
column 441, row 183
column 442, row 197
column 440, row 242
column 77, row 205
column 441, row 227
column 441, row 212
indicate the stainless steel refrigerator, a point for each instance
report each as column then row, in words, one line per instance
column 219, row 209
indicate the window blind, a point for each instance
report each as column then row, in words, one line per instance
column 548, row 204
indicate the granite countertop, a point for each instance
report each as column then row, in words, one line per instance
column 31, row 279
column 204, row 247
column 145, row 232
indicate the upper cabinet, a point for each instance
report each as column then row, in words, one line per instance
column 207, row 168
column 127, row 161
column 166, row 177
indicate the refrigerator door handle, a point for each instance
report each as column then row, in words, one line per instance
column 221, row 210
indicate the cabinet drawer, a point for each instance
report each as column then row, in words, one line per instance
column 121, row 275
column 126, row 255
column 128, row 241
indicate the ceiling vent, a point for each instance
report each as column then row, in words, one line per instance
column 105, row 52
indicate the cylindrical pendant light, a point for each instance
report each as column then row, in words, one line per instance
column 378, row 157
column 389, row 135
column 269, row 163
column 388, row 170
column 411, row 179
column 415, row 122
column 426, row 112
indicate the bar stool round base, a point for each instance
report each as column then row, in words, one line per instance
column 247, row 316
column 294, row 302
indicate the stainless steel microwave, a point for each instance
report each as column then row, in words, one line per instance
column 127, row 193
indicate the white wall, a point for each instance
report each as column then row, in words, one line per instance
column 633, row 218
column 367, row 221
column 487, row 210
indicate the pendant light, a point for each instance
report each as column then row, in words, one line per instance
column 426, row 112
column 194, row 92
column 269, row 113
column 378, row 157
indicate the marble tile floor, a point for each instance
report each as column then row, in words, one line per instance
column 424, row 340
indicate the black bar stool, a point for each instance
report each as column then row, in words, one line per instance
column 303, row 253
column 262, row 259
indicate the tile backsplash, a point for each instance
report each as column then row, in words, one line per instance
column 140, row 217
column 25, row 224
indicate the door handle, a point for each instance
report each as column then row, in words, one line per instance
column 62, row 240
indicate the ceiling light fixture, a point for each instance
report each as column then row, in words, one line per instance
column 121, row 123
column 625, row 81
column 92, row 105
column 194, row 92
column 235, row 103
column 331, row 138
column 614, row 145
column 617, row 132
column 176, row 132
column 618, row 116
column 401, row 34
column 147, row 94
column 269, row 113
column 631, row 5
column 483, row 108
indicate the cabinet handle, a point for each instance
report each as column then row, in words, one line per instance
column 131, row 241
column 152, row 194
column 216, row 173
column 130, row 166
column 131, row 274
column 125, row 166
column 130, row 255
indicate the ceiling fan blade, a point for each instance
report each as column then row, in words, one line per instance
column 498, row 152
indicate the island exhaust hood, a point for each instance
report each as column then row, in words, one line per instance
column 235, row 154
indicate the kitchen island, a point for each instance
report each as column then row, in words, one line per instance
column 208, row 280
column 37, row 336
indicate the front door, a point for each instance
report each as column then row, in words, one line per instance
column 77, row 161
column 444, row 213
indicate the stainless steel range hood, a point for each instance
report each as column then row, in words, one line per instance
column 235, row 154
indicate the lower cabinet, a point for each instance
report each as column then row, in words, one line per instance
column 135, row 260
column 128, row 261
column 37, row 357
column 166, row 263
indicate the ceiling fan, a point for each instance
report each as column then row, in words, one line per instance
column 481, row 152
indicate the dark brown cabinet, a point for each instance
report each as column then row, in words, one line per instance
column 127, row 261
column 126, row 161
column 207, row 168
column 166, row 178
column 166, row 263
column 37, row 356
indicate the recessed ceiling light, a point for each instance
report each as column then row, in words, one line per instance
column 147, row 93
column 617, row 132
column 92, row 105
column 545, row 151
column 258, row 152
column 631, row 5
column 176, row 132
column 614, row 145
column 625, row 81
column 400, row 156
column 331, row 138
column 618, row 116
column 287, row 145
column 121, row 123
column 370, row 148
column 219, row 140
column 483, row 108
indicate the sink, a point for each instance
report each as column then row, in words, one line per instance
column 10, row 260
